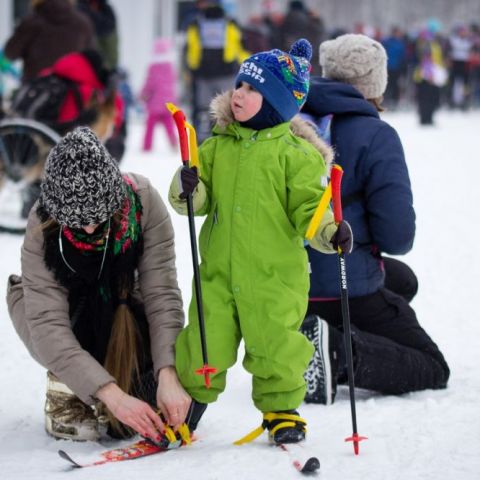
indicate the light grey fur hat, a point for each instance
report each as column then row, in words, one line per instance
column 358, row 60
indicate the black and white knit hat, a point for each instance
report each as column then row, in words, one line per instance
column 82, row 183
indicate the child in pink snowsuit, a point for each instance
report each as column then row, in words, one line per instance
column 158, row 89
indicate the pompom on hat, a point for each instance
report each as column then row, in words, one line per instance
column 282, row 78
column 358, row 60
column 82, row 183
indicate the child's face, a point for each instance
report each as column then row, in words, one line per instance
column 246, row 102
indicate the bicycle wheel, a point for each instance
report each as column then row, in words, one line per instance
column 24, row 147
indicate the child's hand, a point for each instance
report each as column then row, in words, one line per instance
column 343, row 237
column 189, row 181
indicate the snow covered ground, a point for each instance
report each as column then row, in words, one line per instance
column 428, row 435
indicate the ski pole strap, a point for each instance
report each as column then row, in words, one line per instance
column 281, row 419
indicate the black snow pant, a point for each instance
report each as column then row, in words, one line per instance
column 392, row 353
column 392, row 93
column 428, row 101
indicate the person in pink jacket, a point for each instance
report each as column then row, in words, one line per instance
column 158, row 89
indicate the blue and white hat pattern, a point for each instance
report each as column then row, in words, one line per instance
column 282, row 78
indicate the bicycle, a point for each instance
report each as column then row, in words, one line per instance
column 24, row 147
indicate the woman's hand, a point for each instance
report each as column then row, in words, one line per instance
column 131, row 411
column 172, row 399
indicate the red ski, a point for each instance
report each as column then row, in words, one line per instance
column 138, row 449
column 300, row 457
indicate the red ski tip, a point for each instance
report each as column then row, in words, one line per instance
column 356, row 439
column 206, row 370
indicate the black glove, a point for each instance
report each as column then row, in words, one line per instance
column 343, row 237
column 189, row 180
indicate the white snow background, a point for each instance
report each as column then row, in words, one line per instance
column 426, row 435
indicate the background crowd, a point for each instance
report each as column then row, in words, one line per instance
column 429, row 68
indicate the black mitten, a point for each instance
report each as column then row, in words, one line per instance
column 343, row 237
column 189, row 180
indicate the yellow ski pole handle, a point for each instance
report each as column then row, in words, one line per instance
column 193, row 147
column 319, row 212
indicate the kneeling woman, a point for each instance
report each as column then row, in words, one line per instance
column 98, row 303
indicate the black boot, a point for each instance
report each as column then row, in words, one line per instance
column 195, row 413
column 322, row 372
column 284, row 427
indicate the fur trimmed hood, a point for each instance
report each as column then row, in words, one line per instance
column 222, row 114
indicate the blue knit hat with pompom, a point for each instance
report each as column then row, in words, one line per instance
column 282, row 78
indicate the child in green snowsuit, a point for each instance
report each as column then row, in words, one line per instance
column 259, row 187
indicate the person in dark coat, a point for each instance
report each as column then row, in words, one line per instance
column 103, row 18
column 213, row 53
column 53, row 29
column 396, row 47
column 300, row 22
column 392, row 353
column 430, row 74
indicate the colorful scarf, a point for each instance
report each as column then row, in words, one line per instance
column 100, row 280
column 126, row 235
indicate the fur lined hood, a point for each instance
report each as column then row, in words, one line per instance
column 222, row 115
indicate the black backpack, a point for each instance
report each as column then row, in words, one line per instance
column 42, row 98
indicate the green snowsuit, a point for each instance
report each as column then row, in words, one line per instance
column 259, row 190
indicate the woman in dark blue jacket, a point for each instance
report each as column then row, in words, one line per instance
column 392, row 352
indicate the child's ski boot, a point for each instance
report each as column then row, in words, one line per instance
column 283, row 427
column 170, row 439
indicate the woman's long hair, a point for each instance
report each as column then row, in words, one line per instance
column 121, row 359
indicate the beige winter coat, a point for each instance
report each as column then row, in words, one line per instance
column 40, row 313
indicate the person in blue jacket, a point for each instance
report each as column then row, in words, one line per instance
column 396, row 47
column 392, row 353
